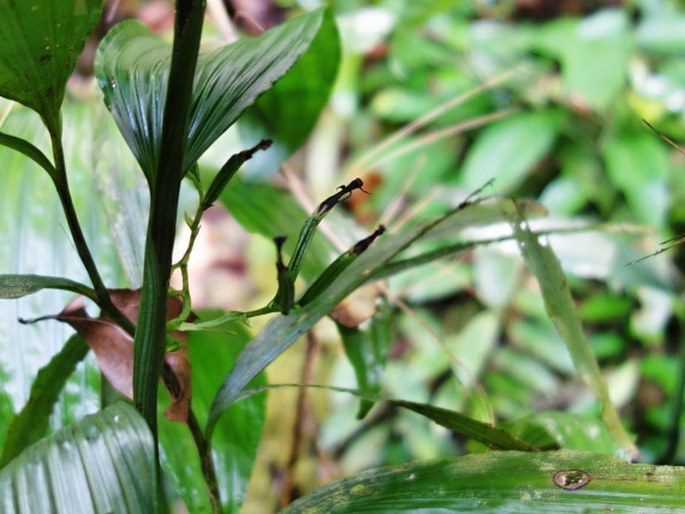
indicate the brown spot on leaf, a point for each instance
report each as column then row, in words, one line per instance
column 571, row 479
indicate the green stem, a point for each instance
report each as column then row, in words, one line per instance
column 150, row 337
column 61, row 183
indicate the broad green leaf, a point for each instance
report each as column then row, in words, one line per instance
column 513, row 482
column 104, row 463
column 265, row 210
column 132, row 68
column 565, row 431
column 32, row 422
column 16, row 286
column 556, row 294
column 594, row 55
column 638, row 166
column 367, row 350
column 283, row 331
column 507, row 150
column 310, row 81
column 39, row 45
column 234, row 443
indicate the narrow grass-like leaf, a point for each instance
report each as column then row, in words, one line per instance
column 485, row 433
column 283, row 331
column 39, row 45
column 561, row 309
column 32, row 422
column 132, row 68
column 16, row 286
column 561, row 482
column 104, row 463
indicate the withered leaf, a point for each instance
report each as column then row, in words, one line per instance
column 113, row 346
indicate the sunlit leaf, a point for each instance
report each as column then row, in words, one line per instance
column 496, row 482
column 132, row 68
column 104, row 463
column 564, row 430
column 544, row 264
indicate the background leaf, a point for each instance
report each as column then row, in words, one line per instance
column 39, row 45
column 498, row 482
column 507, row 150
column 309, row 81
column 32, row 422
column 104, row 463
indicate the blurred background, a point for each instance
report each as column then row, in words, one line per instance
column 429, row 102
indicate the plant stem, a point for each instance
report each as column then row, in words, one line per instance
column 165, row 183
column 62, row 186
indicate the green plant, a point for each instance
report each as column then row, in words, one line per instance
column 171, row 104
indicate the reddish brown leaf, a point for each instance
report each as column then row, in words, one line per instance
column 113, row 347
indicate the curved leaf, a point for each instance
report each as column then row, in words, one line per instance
column 132, row 68
column 310, row 81
column 104, row 463
column 39, row 45
column 283, row 331
column 32, row 422
column 17, row 286
column 513, row 482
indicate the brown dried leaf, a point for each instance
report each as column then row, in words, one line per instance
column 113, row 347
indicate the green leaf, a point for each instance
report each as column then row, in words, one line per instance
column 283, row 331
column 32, row 422
column 594, row 55
column 507, row 150
column 499, row 482
column 39, row 45
column 288, row 122
column 132, row 68
column 561, row 309
column 104, row 463
column 638, row 165
column 16, row 286
column 486, row 433
column 367, row 351
column 268, row 211
column 563, row 430
column 234, row 444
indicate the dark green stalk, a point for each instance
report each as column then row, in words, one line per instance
column 150, row 337
column 61, row 183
